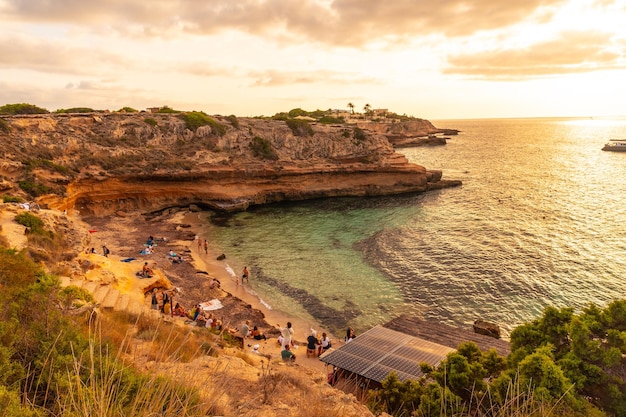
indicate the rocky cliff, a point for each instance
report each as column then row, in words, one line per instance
column 100, row 163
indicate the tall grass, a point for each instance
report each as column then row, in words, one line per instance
column 104, row 383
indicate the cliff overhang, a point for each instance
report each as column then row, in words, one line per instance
column 104, row 163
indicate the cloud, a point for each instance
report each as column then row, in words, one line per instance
column 339, row 22
column 54, row 57
column 571, row 52
column 275, row 78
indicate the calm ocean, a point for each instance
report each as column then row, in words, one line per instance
column 539, row 221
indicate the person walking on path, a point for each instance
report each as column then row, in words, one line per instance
column 206, row 247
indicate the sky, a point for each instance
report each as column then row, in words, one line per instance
column 433, row 59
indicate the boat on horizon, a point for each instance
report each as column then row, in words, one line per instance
column 615, row 145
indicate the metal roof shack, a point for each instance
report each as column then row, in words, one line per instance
column 371, row 356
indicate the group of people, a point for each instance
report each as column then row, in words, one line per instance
column 253, row 332
column 164, row 302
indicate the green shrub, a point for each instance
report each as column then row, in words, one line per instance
column 150, row 121
column 34, row 189
column 4, row 126
column 300, row 127
column 127, row 110
column 359, row 135
column 233, row 121
column 31, row 164
column 331, row 120
column 345, row 133
column 11, row 199
column 262, row 148
column 22, row 108
column 194, row 120
column 76, row 110
column 166, row 109
column 29, row 220
column 297, row 112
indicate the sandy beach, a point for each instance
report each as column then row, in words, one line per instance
column 125, row 237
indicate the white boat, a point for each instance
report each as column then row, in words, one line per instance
column 615, row 145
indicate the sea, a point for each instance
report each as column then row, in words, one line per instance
column 539, row 221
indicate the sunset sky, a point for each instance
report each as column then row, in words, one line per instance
column 432, row 59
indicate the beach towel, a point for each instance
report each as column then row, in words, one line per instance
column 128, row 259
column 214, row 304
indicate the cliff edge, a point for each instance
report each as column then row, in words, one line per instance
column 99, row 163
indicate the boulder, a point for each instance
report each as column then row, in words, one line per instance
column 221, row 257
column 486, row 328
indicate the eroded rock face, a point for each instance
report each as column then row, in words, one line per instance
column 106, row 162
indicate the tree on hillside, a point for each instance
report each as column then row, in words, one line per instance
column 351, row 107
column 22, row 108
column 367, row 109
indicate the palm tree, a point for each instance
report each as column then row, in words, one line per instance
column 351, row 107
column 367, row 108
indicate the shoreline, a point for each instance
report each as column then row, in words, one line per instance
column 219, row 269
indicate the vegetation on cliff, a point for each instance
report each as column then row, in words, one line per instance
column 562, row 364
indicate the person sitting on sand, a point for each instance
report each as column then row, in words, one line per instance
column 287, row 355
column 256, row 334
column 179, row 310
column 350, row 334
column 173, row 254
column 146, row 271
column 245, row 329
column 177, row 260
column 324, row 344
column 311, row 344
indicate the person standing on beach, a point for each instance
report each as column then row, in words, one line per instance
column 206, row 247
column 199, row 243
column 245, row 275
column 287, row 334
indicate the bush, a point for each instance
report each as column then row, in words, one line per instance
column 166, row 109
column 47, row 164
column 127, row 110
column 11, row 199
column 300, row 127
column 331, row 120
column 4, row 126
column 359, row 135
column 262, row 148
column 32, row 188
column 233, row 120
column 150, row 121
column 22, row 108
column 29, row 220
column 194, row 120
column 76, row 110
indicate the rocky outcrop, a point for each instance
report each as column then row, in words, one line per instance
column 105, row 162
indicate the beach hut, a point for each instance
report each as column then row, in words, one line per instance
column 367, row 360
column 399, row 346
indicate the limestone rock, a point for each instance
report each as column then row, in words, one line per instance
column 486, row 328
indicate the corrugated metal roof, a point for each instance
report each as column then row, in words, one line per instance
column 377, row 352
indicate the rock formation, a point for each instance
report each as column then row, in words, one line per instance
column 101, row 163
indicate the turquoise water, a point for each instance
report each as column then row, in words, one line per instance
column 538, row 221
